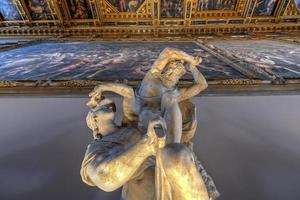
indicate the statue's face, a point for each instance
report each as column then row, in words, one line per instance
column 104, row 115
column 173, row 73
column 101, row 117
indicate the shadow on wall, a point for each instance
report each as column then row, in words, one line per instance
column 250, row 145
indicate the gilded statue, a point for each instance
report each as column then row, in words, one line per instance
column 150, row 154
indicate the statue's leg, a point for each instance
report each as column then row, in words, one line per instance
column 179, row 168
column 141, row 187
column 172, row 116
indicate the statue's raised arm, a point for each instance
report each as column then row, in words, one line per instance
column 167, row 56
column 199, row 85
column 166, row 71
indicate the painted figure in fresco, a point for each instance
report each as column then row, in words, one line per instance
column 264, row 7
column 216, row 5
column 39, row 9
column 163, row 9
column 171, row 8
column 79, row 9
column 9, row 10
column 122, row 5
column 228, row 4
column 269, row 6
column 133, row 5
column 202, row 5
column 137, row 155
column 127, row 5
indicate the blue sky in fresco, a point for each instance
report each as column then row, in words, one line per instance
column 9, row 10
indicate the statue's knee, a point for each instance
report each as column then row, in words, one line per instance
column 175, row 154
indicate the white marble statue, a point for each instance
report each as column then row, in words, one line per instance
column 150, row 155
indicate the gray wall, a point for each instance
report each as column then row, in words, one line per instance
column 250, row 145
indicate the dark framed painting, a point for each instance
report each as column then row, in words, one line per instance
column 101, row 61
column 297, row 3
column 127, row 5
column 276, row 57
column 203, row 5
column 39, row 9
column 264, row 7
column 79, row 9
column 171, row 8
column 9, row 10
column 6, row 42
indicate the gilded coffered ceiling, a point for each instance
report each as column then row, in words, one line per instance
column 146, row 17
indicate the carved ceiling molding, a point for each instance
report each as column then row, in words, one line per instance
column 107, row 8
column 292, row 9
column 151, row 31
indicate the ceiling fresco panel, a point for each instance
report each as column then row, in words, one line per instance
column 171, row 8
column 100, row 61
column 204, row 5
column 265, row 7
column 126, row 5
column 273, row 56
column 39, row 9
column 9, row 10
column 79, row 9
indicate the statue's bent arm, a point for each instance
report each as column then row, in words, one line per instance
column 111, row 170
column 123, row 90
column 167, row 55
column 200, row 85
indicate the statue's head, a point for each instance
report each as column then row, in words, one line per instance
column 102, row 117
column 172, row 73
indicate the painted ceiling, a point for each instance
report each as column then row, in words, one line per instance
column 142, row 17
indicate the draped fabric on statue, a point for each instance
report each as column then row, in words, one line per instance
column 162, row 185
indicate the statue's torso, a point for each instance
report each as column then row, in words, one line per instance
column 150, row 93
column 152, row 88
